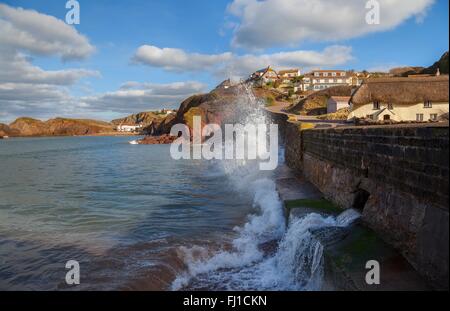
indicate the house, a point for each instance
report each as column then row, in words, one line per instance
column 128, row 128
column 167, row 111
column 322, row 79
column 265, row 75
column 289, row 74
column 306, row 84
column 401, row 99
column 337, row 102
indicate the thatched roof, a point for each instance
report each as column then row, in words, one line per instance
column 402, row 90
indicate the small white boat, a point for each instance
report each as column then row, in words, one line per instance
column 133, row 142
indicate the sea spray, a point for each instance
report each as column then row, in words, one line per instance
column 266, row 225
column 297, row 263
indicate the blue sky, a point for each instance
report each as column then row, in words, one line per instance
column 414, row 32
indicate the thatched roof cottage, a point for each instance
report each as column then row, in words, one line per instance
column 401, row 99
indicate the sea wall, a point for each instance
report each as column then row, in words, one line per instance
column 397, row 176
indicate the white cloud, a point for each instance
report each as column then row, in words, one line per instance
column 331, row 56
column 268, row 23
column 177, row 59
column 26, row 89
column 231, row 65
column 42, row 34
column 15, row 67
column 136, row 96
column 37, row 100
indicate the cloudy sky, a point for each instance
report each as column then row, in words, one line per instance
column 136, row 55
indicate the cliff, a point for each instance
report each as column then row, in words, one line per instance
column 58, row 127
column 5, row 130
column 146, row 118
column 219, row 106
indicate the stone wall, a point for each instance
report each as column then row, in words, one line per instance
column 398, row 176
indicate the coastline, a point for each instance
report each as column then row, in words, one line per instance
column 109, row 134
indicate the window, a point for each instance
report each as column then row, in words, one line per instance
column 334, row 74
column 427, row 104
column 390, row 106
column 342, row 74
column 433, row 116
column 317, row 74
column 419, row 117
column 376, row 105
column 325, row 74
column 386, row 117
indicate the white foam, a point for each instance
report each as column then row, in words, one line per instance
column 296, row 264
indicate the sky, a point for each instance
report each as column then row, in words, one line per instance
column 130, row 56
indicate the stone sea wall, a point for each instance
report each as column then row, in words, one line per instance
column 397, row 176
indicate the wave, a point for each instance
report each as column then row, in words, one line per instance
column 264, row 255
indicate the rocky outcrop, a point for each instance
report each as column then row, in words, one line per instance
column 219, row 106
column 6, row 131
column 58, row 127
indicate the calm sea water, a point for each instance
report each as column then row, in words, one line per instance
column 122, row 211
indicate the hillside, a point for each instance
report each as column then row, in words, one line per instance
column 442, row 64
column 58, row 127
column 5, row 130
column 316, row 103
column 145, row 118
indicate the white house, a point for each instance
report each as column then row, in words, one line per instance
column 289, row 74
column 322, row 79
column 337, row 102
column 128, row 128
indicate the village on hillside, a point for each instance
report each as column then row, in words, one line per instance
column 406, row 95
column 332, row 97
column 319, row 98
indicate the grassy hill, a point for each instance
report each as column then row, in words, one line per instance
column 145, row 118
column 316, row 103
column 58, row 127
column 442, row 64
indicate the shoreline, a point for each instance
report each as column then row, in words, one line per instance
column 87, row 135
